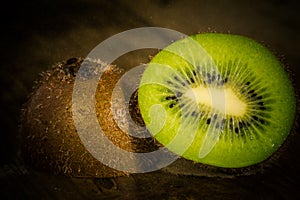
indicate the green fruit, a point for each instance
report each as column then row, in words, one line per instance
column 219, row 99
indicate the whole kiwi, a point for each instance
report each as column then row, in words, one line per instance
column 49, row 138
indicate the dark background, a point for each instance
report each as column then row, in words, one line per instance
column 38, row 33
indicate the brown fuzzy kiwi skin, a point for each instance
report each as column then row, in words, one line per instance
column 50, row 142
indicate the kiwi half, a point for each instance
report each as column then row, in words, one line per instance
column 218, row 99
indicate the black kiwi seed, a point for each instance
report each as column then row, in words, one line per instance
column 192, row 80
column 215, row 116
column 263, row 108
column 171, row 98
column 251, row 91
column 236, row 130
column 244, row 124
column 168, row 98
column 208, row 121
column 213, row 78
column 231, row 123
column 240, row 125
column 261, row 103
column 171, row 105
column 193, row 113
column 223, row 122
column 255, row 117
column 169, row 82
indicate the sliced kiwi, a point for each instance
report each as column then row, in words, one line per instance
column 218, row 99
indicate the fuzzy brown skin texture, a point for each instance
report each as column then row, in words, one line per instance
column 49, row 139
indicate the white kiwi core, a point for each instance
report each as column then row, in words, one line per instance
column 222, row 99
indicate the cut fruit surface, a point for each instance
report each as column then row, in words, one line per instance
column 226, row 100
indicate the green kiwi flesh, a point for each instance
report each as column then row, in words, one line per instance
column 218, row 99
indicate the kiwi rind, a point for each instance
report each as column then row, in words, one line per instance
column 49, row 139
column 252, row 54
